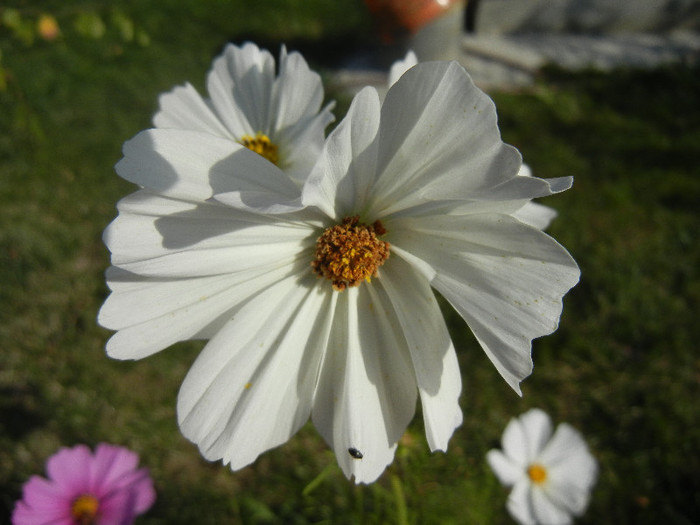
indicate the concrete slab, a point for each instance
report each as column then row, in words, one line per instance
column 585, row 16
column 502, row 61
column 512, row 61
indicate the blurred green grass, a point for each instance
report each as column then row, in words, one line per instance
column 622, row 368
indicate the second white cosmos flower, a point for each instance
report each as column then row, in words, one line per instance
column 318, row 303
column 274, row 113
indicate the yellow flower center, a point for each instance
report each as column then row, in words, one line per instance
column 537, row 473
column 84, row 509
column 350, row 252
column 262, row 145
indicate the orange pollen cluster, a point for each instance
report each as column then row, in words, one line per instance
column 84, row 509
column 350, row 252
column 537, row 473
column 262, row 145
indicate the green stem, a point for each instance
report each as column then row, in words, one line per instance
column 318, row 480
column 401, row 510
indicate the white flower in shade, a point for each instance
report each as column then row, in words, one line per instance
column 552, row 475
column 277, row 115
column 318, row 302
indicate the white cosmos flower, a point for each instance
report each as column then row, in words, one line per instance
column 219, row 244
column 552, row 475
column 276, row 114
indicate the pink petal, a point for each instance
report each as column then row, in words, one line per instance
column 117, row 509
column 109, row 466
column 42, row 503
column 25, row 515
column 69, row 468
column 42, row 495
column 141, row 484
column 115, row 474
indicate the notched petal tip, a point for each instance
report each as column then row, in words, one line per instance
column 363, row 467
column 560, row 184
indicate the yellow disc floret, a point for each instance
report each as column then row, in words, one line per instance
column 537, row 473
column 262, row 145
column 84, row 509
column 350, row 252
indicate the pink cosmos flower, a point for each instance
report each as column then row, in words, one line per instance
column 104, row 488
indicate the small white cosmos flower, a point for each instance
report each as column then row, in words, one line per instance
column 552, row 475
column 277, row 115
column 318, row 302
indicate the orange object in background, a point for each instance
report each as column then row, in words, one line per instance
column 47, row 27
column 396, row 15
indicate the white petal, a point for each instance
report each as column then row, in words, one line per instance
column 505, row 279
column 366, row 393
column 566, row 494
column 568, row 449
column 508, row 196
column 572, row 470
column 162, row 237
column 419, row 265
column 399, row 67
column 537, row 429
column 525, row 171
column 240, row 85
column 545, row 510
column 298, row 125
column 438, row 133
column 183, row 108
column 136, row 299
column 298, row 91
column 301, row 143
column 519, row 503
column 342, row 177
column 194, row 166
column 507, row 471
column 456, row 207
column 514, row 443
column 536, row 215
column 432, row 353
column 251, row 388
column 263, row 202
column 531, row 213
column 157, row 161
column 152, row 314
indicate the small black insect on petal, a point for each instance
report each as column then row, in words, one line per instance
column 355, row 453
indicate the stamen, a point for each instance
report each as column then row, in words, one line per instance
column 537, row 473
column 350, row 252
column 262, row 145
column 84, row 509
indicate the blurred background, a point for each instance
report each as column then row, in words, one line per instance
column 604, row 91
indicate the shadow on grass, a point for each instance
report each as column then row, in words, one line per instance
column 20, row 410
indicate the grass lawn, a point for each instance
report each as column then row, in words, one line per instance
column 623, row 367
